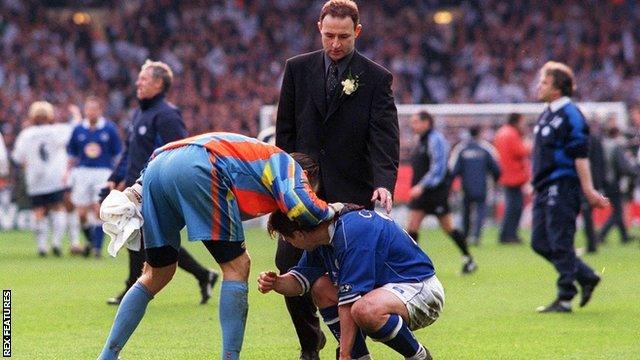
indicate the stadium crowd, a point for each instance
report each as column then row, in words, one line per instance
column 230, row 54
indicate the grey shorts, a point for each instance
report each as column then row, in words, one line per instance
column 424, row 300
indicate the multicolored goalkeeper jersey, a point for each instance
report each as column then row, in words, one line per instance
column 213, row 181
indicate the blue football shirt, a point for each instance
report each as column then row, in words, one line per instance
column 95, row 147
column 367, row 251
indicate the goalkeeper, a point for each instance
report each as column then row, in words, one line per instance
column 210, row 183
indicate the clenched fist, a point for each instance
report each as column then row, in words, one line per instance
column 267, row 281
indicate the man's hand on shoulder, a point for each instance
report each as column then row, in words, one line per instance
column 384, row 197
column 343, row 208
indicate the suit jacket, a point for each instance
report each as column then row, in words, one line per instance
column 353, row 137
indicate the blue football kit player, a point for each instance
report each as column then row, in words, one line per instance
column 561, row 169
column 93, row 147
column 381, row 281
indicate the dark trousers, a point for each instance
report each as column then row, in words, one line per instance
column 589, row 226
column 185, row 261
column 555, row 210
column 301, row 308
column 480, row 214
column 616, row 218
column 513, row 203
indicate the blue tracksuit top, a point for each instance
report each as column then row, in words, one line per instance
column 473, row 160
column 154, row 124
column 561, row 136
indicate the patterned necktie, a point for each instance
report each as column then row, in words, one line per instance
column 332, row 79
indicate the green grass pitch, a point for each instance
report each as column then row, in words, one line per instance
column 59, row 309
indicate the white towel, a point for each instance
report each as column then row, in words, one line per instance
column 122, row 222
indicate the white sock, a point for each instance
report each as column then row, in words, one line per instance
column 5, row 197
column 41, row 230
column 59, row 224
column 73, row 228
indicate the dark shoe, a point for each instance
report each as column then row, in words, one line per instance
column 87, row 251
column 469, row 266
column 42, row 253
column 310, row 355
column 628, row 239
column 587, row 291
column 56, row 252
column 428, row 357
column 206, row 286
column 554, row 307
column 511, row 241
column 114, row 300
column 76, row 250
column 423, row 353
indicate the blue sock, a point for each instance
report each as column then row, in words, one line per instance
column 396, row 335
column 130, row 312
column 233, row 317
column 97, row 236
column 331, row 319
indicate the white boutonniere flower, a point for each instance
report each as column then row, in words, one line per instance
column 350, row 84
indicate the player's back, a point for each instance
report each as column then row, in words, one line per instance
column 247, row 162
column 42, row 151
column 397, row 257
column 257, row 173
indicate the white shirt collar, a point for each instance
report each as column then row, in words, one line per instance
column 99, row 125
column 558, row 104
column 332, row 230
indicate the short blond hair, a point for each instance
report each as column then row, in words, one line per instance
column 160, row 70
column 41, row 110
column 563, row 78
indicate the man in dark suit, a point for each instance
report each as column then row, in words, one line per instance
column 337, row 106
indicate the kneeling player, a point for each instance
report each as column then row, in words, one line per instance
column 385, row 284
column 210, row 183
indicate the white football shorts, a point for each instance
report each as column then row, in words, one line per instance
column 86, row 183
column 424, row 300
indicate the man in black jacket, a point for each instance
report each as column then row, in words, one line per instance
column 154, row 124
column 337, row 106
